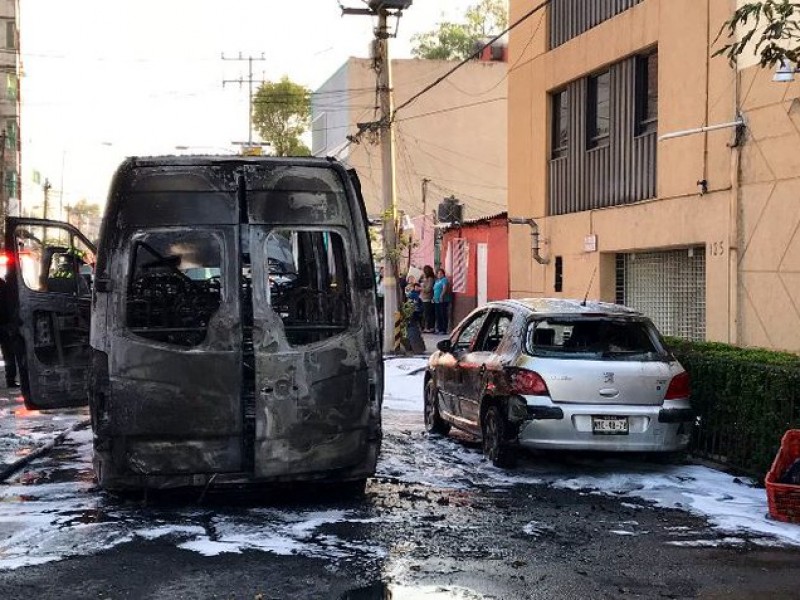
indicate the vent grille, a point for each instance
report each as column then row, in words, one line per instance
column 669, row 287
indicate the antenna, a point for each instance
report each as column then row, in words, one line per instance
column 591, row 281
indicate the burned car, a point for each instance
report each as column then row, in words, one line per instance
column 226, row 332
column 560, row 375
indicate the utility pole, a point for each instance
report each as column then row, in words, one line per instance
column 46, row 189
column 383, row 65
column 249, row 81
column 425, row 182
column 389, row 179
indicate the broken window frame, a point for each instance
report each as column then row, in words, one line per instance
column 316, row 331
column 142, row 239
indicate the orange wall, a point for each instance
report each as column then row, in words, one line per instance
column 495, row 234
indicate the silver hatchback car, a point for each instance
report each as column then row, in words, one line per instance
column 559, row 374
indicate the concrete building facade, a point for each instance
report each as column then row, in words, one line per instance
column 453, row 137
column 700, row 230
column 9, row 108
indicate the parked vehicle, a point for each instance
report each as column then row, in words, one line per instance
column 226, row 332
column 558, row 374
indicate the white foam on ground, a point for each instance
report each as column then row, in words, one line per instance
column 51, row 521
column 730, row 506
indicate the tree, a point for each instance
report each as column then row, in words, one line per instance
column 281, row 114
column 458, row 41
column 83, row 210
column 770, row 28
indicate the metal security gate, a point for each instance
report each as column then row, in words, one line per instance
column 669, row 287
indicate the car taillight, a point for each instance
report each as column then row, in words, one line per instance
column 5, row 259
column 527, row 383
column 679, row 387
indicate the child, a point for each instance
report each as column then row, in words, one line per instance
column 414, row 295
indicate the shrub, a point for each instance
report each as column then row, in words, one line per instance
column 746, row 399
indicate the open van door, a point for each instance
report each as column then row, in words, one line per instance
column 50, row 281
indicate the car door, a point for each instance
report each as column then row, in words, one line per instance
column 50, row 282
column 454, row 372
column 482, row 357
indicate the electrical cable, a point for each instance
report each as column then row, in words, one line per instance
column 475, row 54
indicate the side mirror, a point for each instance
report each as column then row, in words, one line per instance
column 445, row 346
column 102, row 286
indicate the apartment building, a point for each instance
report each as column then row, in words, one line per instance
column 9, row 108
column 624, row 149
column 450, row 142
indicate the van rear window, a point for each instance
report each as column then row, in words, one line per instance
column 175, row 286
column 309, row 286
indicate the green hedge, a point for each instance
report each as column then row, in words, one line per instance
column 746, row 399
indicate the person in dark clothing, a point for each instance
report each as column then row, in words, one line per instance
column 6, row 342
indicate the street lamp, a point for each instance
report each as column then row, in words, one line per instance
column 377, row 5
column 785, row 72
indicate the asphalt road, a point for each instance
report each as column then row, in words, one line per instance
column 435, row 524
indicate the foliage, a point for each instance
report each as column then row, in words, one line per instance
column 746, row 399
column 281, row 114
column 458, row 41
column 771, row 28
column 84, row 209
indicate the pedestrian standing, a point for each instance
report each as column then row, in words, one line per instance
column 426, row 295
column 442, row 295
column 379, row 292
column 6, row 341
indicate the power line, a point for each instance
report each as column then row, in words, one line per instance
column 451, row 151
column 475, row 54
column 451, row 109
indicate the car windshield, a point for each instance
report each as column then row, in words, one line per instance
column 595, row 338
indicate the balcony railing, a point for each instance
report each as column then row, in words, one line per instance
column 571, row 18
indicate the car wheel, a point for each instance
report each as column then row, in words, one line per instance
column 433, row 420
column 495, row 434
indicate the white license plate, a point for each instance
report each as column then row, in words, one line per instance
column 610, row 425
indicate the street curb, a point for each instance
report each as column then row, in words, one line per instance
column 40, row 451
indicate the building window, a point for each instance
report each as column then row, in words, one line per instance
column 11, row 86
column 647, row 93
column 11, row 134
column 560, row 131
column 599, row 110
column 12, row 184
column 11, row 35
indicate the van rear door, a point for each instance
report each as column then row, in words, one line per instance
column 50, row 280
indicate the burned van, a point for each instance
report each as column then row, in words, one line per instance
column 224, row 330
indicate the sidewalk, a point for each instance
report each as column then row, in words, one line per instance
column 23, row 432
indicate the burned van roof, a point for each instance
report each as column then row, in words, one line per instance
column 167, row 190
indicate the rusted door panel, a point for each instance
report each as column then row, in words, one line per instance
column 312, row 408
column 52, row 339
column 177, row 411
column 173, row 409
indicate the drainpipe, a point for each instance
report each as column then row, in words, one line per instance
column 534, row 237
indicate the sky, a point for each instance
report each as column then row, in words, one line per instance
column 106, row 79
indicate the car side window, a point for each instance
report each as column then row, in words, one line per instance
column 494, row 332
column 468, row 333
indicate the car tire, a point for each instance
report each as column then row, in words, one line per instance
column 495, row 438
column 433, row 420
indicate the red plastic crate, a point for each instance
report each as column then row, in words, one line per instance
column 784, row 499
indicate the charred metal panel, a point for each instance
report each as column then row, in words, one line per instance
column 50, row 293
column 292, row 346
column 312, row 409
column 294, row 195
